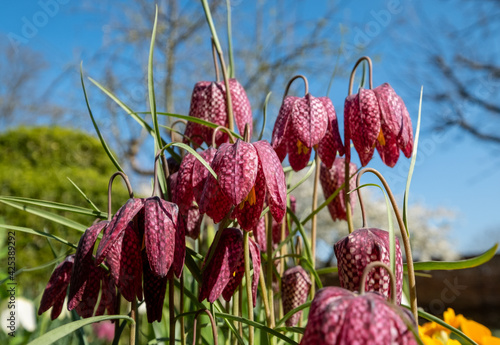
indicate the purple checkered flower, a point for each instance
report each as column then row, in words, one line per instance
column 223, row 274
column 378, row 118
column 295, row 286
column 356, row 251
column 341, row 317
column 208, row 102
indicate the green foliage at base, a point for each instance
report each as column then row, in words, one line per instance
column 36, row 163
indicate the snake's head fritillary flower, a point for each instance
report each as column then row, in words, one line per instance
column 301, row 124
column 245, row 172
column 224, row 272
column 55, row 292
column 355, row 251
column 295, row 285
column 187, row 186
column 154, row 291
column 331, row 179
column 208, row 102
column 378, row 118
column 341, row 317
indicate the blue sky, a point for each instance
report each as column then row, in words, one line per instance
column 453, row 170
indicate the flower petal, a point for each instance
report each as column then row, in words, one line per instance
column 298, row 154
column 159, row 235
column 120, row 220
column 154, row 291
column 200, row 172
column 55, row 292
column 331, row 142
column 237, row 170
column 182, row 195
column 86, row 305
column 309, row 120
column 108, row 297
column 241, row 107
column 255, row 257
column 274, row 179
column 295, row 285
column 279, row 138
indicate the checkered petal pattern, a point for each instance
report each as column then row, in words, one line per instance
column 241, row 106
column 331, row 144
column 85, row 306
column 109, row 299
column 120, row 220
column 274, row 179
column 125, row 264
column 200, row 173
column 154, row 291
column 340, row 317
column 309, row 120
column 331, row 179
column 298, row 156
column 279, row 142
column 256, row 265
column 226, row 263
column 55, row 291
column 295, row 285
column 356, row 251
column 83, row 263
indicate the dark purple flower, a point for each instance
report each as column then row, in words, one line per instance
column 208, row 102
column 302, row 124
column 378, row 118
column 245, row 172
column 356, row 251
column 295, row 285
column 341, row 317
column 331, row 179
column 55, row 292
column 223, row 274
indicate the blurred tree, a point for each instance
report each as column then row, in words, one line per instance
column 35, row 163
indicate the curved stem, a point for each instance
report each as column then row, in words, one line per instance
column 314, row 221
column 306, row 84
column 165, row 170
column 212, row 322
column 347, row 197
column 361, row 205
column 246, row 134
column 216, row 65
column 353, row 72
column 110, row 187
column 224, row 129
column 406, row 241
column 248, row 279
column 392, row 278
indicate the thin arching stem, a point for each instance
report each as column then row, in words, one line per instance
column 314, row 220
column 110, row 187
column 212, row 322
column 361, row 205
column 223, row 129
column 353, row 72
column 306, row 85
column 165, row 170
column 392, row 278
column 406, row 241
column 216, row 65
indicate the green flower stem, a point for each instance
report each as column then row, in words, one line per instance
column 406, row 242
column 270, row 264
column 133, row 325
column 265, row 297
column 232, row 72
column 248, row 279
column 181, row 309
column 210, row 22
column 171, row 309
column 314, row 221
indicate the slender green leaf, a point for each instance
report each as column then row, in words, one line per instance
column 47, row 215
column 456, row 265
column 62, row 331
column 256, row 325
column 412, row 165
column 293, row 311
column 300, row 228
column 232, row 72
column 264, row 116
column 440, row 322
column 103, row 142
column 303, row 179
column 299, row 330
column 37, row 232
column 56, row 206
column 327, row 270
column 310, row 268
column 84, row 195
column 197, row 156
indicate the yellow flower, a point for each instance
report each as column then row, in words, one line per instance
column 488, row 340
column 475, row 330
column 451, row 319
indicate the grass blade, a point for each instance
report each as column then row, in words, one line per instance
column 38, row 233
column 293, row 311
column 103, row 142
column 264, row 115
column 84, row 195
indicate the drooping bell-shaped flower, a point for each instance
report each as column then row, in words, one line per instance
column 245, row 172
column 331, row 179
column 341, row 317
column 295, row 285
column 223, row 273
column 378, row 118
column 208, row 102
column 187, row 186
column 303, row 123
column 55, row 292
column 355, row 251
column 154, row 291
